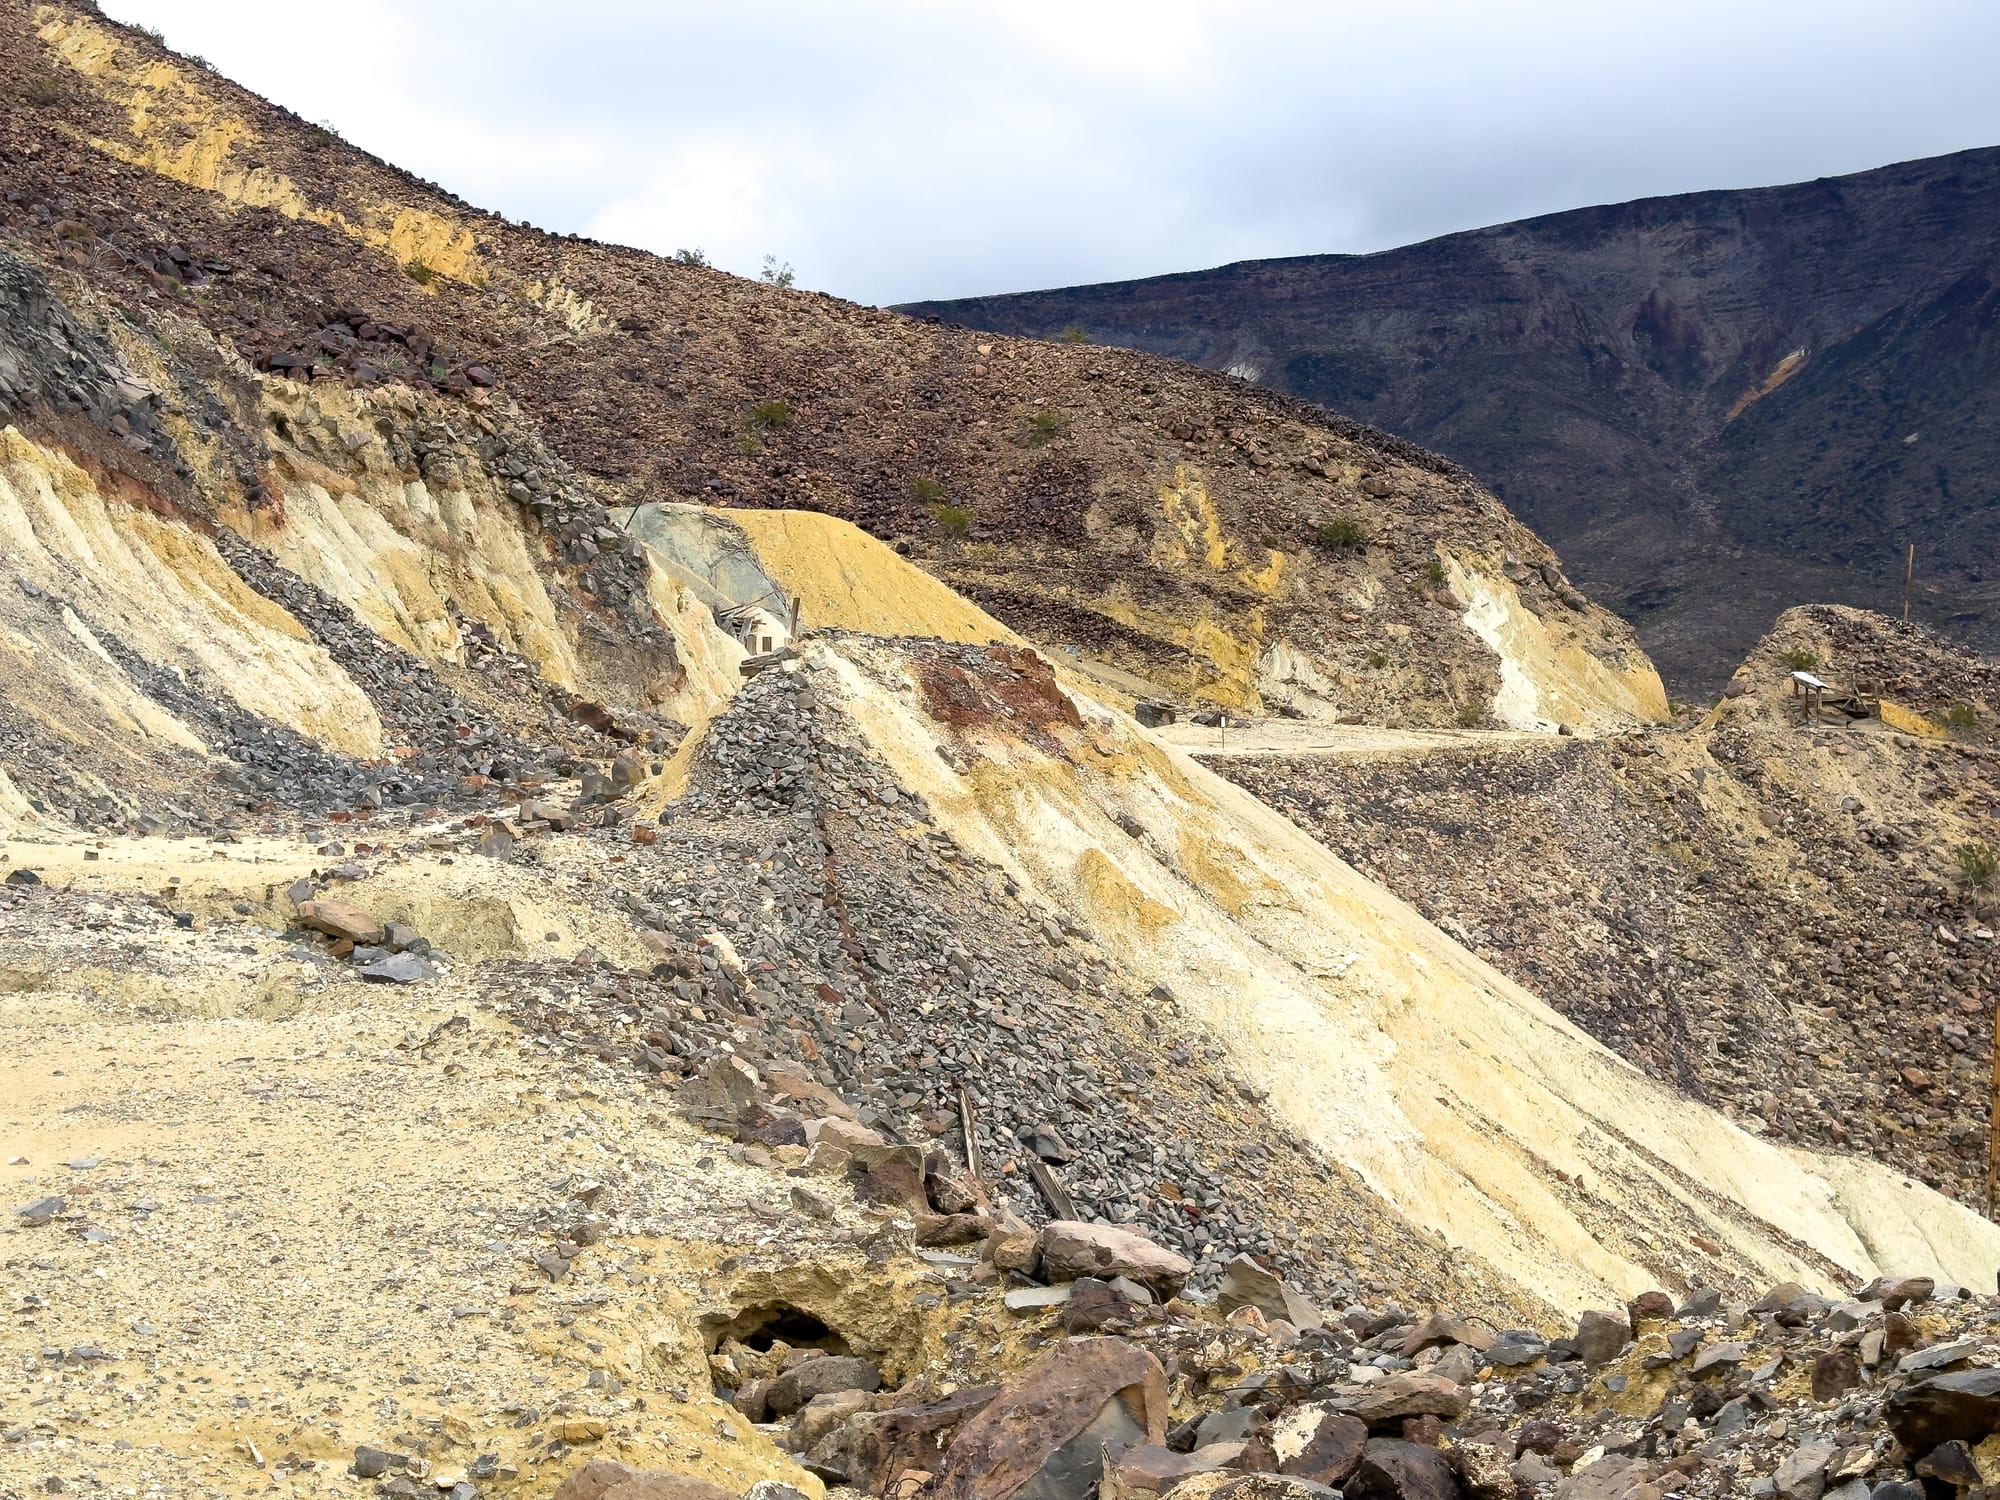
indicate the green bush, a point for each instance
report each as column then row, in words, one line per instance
column 1074, row 335
column 687, row 257
column 1471, row 716
column 1342, row 533
column 1045, row 427
column 1962, row 716
column 768, row 416
column 41, row 89
column 1377, row 660
column 1978, row 865
column 954, row 520
column 1434, row 571
column 420, row 273
column 1799, row 659
column 926, row 489
column 776, row 273
column 151, row 34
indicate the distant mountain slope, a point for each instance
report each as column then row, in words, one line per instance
column 1717, row 405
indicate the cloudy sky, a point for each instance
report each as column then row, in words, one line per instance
column 898, row 149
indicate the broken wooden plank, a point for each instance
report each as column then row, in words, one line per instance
column 1060, row 1206
column 968, row 1122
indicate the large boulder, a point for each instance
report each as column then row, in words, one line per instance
column 1043, row 1437
column 1247, row 1284
column 1314, row 1440
column 1070, row 1248
column 823, row 1376
column 340, row 919
column 1601, row 1335
column 1391, row 1469
column 1408, row 1394
column 1963, row 1405
column 883, row 1445
column 1144, row 1470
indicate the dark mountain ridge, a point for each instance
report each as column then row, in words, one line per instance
column 1717, row 404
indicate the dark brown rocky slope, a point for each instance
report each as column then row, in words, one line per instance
column 1718, row 405
column 1779, row 915
column 1159, row 518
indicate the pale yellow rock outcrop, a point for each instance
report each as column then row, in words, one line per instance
column 167, row 595
column 1545, row 678
column 1455, row 1093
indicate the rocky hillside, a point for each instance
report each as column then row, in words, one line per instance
column 468, row 1028
column 1788, row 918
column 1718, row 405
column 1223, row 544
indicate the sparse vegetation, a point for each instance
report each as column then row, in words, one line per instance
column 955, row 521
column 1799, row 659
column 152, row 34
column 41, row 89
column 1962, row 716
column 1434, row 572
column 420, row 273
column 927, row 489
column 1341, row 534
column 775, row 273
column 1978, row 865
column 1377, row 660
column 1471, row 716
column 1045, row 427
column 768, row 416
column 1074, row 335
column 687, row 257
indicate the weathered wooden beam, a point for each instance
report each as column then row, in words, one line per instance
column 1059, row 1203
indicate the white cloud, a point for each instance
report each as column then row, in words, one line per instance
column 896, row 149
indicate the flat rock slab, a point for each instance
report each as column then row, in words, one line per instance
column 1071, row 1249
column 340, row 919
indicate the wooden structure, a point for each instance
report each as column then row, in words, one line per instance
column 1856, row 702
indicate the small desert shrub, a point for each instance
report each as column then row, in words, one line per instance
column 776, row 272
column 1377, row 660
column 420, row 273
column 686, row 257
column 1074, row 335
column 1799, row 659
column 953, row 520
column 768, row 416
column 1342, row 533
column 1434, row 571
column 41, row 89
column 926, row 489
column 1962, row 716
column 151, row 34
column 1978, row 865
column 1471, row 716
column 1046, row 427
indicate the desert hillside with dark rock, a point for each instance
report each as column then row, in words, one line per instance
column 1717, row 405
column 1784, row 914
column 1228, row 546
column 527, row 976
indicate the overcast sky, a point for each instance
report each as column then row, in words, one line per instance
column 899, row 149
